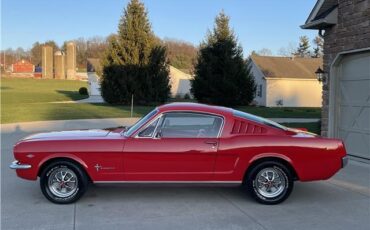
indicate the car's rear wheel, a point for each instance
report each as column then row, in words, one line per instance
column 63, row 182
column 270, row 182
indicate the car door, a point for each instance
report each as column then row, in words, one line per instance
column 176, row 146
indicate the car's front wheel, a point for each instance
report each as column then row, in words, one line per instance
column 63, row 182
column 270, row 182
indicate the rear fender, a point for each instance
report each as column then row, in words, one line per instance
column 276, row 156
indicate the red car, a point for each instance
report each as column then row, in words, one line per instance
column 180, row 143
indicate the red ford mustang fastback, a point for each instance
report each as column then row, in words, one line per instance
column 180, row 143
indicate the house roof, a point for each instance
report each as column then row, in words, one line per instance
column 287, row 67
column 178, row 74
column 323, row 14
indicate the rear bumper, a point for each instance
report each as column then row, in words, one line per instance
column 345, row 161
column 18, row 165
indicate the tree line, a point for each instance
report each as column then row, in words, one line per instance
column 304, row 49
column 180, row 54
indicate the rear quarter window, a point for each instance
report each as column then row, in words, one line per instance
column 257, row 119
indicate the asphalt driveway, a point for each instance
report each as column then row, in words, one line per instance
column 339, row 203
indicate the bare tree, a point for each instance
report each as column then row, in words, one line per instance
column 288, row 50
column 264, row 52
column 181, row 54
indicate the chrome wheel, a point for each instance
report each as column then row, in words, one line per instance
column 62, row 182
column 270, row 182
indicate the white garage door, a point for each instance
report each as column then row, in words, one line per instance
column 354, row 104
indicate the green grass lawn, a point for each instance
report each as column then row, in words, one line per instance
column 27, row 90
column 282, row 112
column 29, row 100
column 50, row 111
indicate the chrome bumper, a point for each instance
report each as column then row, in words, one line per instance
column 17, row 165
column 345, row 161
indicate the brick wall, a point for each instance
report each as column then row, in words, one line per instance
column 351, row 32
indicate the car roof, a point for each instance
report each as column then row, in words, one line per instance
column 195, row 107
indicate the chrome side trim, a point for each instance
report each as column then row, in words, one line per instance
column 17, row 165
column 167, row 182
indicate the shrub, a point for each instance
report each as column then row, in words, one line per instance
column 186, row 96
column 83, row 91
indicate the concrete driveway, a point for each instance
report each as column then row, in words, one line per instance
column 340, row 203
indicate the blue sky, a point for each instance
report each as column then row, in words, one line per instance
column 258, row 24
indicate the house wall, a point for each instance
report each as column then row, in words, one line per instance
column 180, row 83
column 351, row 32
column 293, row 92
column 260, row 82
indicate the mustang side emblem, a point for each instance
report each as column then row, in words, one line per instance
column 99, row 167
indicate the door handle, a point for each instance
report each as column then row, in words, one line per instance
column 213, row 143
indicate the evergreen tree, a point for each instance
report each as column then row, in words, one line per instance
column 319, row 44
column 134, row 63
column 36, row 53
column 221, row 75
column 303, row 49
column 160, row 83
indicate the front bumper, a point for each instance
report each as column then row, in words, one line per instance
column 345, row 161
column 18, row 165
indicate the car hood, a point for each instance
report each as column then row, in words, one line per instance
column 76, row 134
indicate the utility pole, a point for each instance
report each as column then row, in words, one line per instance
column 4, row 61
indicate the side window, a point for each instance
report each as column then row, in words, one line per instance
column 259, row 90
column 148, row 131
column 190, row 125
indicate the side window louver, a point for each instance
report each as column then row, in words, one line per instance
column 243, row 127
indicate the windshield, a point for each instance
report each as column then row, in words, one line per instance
column 258, row 119
column 138, row 124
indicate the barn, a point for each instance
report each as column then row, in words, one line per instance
column 23, row 66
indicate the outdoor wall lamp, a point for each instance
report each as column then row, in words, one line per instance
column 321, row 75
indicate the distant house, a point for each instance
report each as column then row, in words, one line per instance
column 23, row 66
column 180, row 82
column 286, row 81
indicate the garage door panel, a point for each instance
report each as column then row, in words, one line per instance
column 363, row 120
column 356, row 67
column 354, row 91
column 348, row 115
column 356, row 143
column 353, row 117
